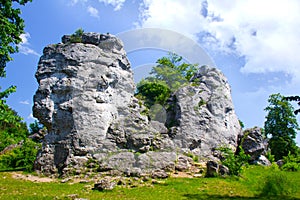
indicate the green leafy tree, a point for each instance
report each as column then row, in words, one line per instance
column 167, row 76
column 173, row 71
column 11, row 26
column 156, row 92
column 281, row 126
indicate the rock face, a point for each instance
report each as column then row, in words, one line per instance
column 254, row 144
column 86, row 100
column 204, row 113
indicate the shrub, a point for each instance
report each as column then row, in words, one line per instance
column 270, row 157
column 291, row 162
column 76, row 37
column 234, row 162
column 153, row 92
column 21, row 157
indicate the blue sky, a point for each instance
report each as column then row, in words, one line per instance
column 255, row 43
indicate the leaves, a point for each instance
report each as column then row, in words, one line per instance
column 281, row 125
column 167, row 76
column 11, row 26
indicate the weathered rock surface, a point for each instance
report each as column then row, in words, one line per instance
column 214, row 169
column 86, row 100
column 204, row 114
column 255, row 145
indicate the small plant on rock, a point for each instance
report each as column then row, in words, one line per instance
column 76, row 37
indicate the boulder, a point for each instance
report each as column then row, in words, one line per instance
column 253, row 143
column 105, row 184
column 214, row 169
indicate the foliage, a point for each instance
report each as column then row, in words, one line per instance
column 241, row 124
column 12, row 129
column 153, row 92
column 234, row 162
column 270, row 157
column 294, row 98
column 35, row 127
column 20, row 152
column 76, row 37
column 21, row 157
column 11, row 26
column 281, row 126
column 169, row 75
column 173, row 71
column 291, row 162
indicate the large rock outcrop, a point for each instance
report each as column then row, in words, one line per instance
column 204, row 113
column 86, row 100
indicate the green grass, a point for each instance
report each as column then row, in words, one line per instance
column 249, row 186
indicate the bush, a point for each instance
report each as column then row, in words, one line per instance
column 291, row 162
column 153, row 92
column 277, row 184
column 21, row 157
column 76, row 37
column 234, row 162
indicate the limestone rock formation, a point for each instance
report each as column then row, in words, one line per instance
column 204, row 113
column 254, row 144
column 86, row 100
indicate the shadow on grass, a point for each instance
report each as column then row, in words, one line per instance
column 201, row 196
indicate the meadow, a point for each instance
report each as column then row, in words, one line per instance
column 255, row 182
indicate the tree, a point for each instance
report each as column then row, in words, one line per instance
column 281, row 125
column 173, row 71
column 294, row 98
column 167, row 76
column 11, row 26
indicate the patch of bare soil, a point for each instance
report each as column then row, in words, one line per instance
column 181, row 175
column 29, row 177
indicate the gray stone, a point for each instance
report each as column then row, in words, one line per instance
column 184, row 163
column 204, row 114
column 262, row 160
column 86, row 100
column 253, row 143
column 158, row 173
column 214, row 169
column 105, row 184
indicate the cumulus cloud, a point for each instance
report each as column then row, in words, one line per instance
column 264, row 32
column 117, row 4
column 93, row 11
column 24, row 45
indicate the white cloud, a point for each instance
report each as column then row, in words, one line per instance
column 265, row 32
column 26, row 102
column 25, row 37
column 93, row 11
column 73, row 2
column 117, row 4
column 24, row 45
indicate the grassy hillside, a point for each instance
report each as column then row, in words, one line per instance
column 253, row 182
